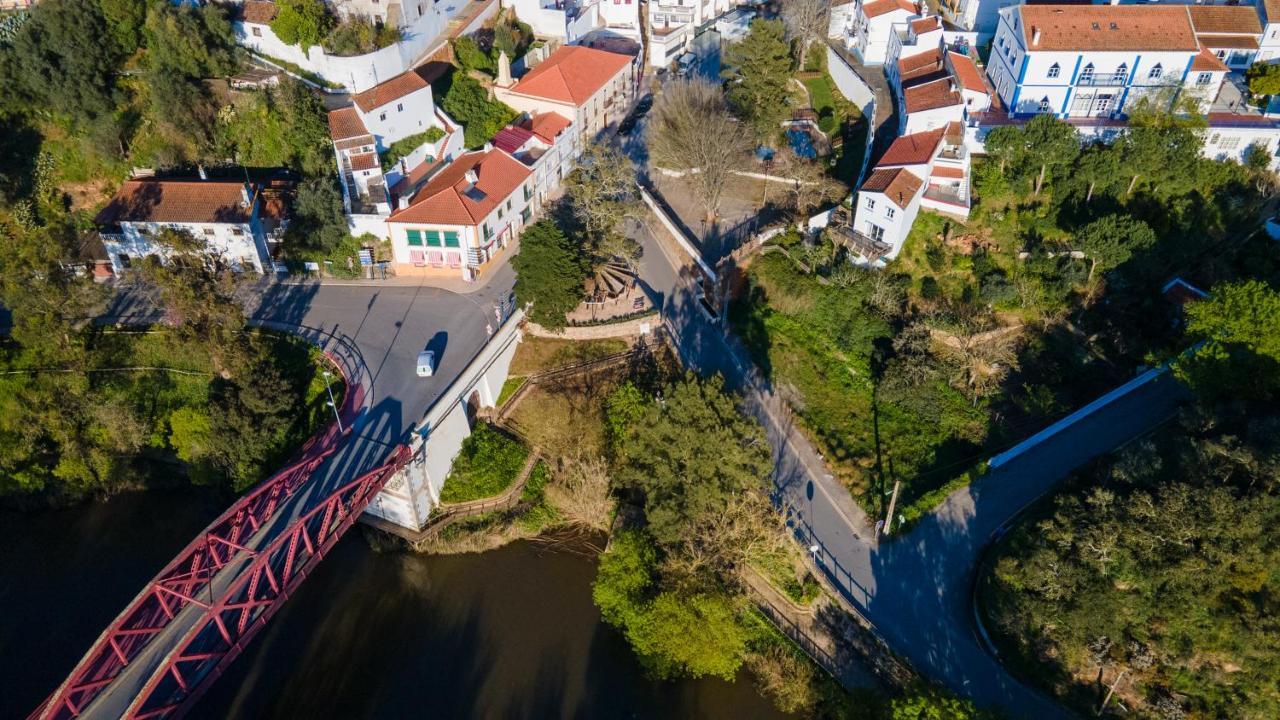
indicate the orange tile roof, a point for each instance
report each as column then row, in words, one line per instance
column 444, row 200
column 1226, row 19
column 390, row 91
column 345, row 123
column 967, row 72
column 177, row 201
column 947, row 172
column 926, row 25
column 1272, row 10
column 1243, row 42
column 1107, row 27
column 546, row 126
column 915, row 149
column 364, row 161
column 918, row 66
column 257, row 12
column 897, row 184
column 1206, row 61
column 932, row 95
column 572, row 74
column 882, row 7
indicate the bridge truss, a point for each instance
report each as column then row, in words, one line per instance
column 231, row 613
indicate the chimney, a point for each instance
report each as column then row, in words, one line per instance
column 504, row 71
column 1035, row 35
column 471, row 177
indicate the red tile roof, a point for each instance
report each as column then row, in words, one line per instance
column 967, row 72
column 177, row 201
column 390, row 91
column 1226, row 19
column 572, row 74
column 257, row 12
column 1241, row 42
column 897, row 184
column 1107, row 27
column 930, row 96
column 547, row 126
column 345, row 123
column 445, row 199
column 1206, row 61
column 1272, row 8
column 511, row 138
column 926, row 25
column 364, row 161
column 918, row 66
column 881, row 7
column 916, row 149
column 943, row 171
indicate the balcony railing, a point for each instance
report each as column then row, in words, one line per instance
column 860, row 242
column 946, row 194
column 952, row 152
column 1103, row 79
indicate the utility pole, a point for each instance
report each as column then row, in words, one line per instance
column 893, row 502
column 329, row 389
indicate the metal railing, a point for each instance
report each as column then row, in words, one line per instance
column 1095, row 80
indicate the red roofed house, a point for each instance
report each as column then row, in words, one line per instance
column 937, row 87
column 872, row 23
column 589, row 87
column 224, row 216
column 927, row 169
column 460, row 218
column 545, row 143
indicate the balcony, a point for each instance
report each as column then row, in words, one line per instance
column 860, row 242
column 1103, row 80
column 952, row 152
column 948, row 195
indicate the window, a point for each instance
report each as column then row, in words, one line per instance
column 877, row 232
column 871, row 203
column 1156, row 72
column 1204, row 78
column 508, row 203
column 237, row 232
column 888, row 212
column 488, row 232
column 1086, row 74
column 413, row 238
column 451, row 239
column 1231, row 143
column 527, row 194
column 257, row 32
column 1054, row 70
column 525, row 214
column 1214, row 140
column 1222, row 54
column 399, row 107
column 124, row 260
column 499, row 212
column 1122, row 72
column 209, row 232
column 1043, row 106
column 382, row 117
column 433, row 238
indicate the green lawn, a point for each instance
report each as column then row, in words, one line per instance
column 488, row 464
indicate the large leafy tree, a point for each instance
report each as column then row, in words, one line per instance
column 1050, row 144
column 602, row 192
column 1264, row 78
column 550, row 270
column 302, row 22
column 691, row 455
column 197, row 43
column 318, row 222
column 1111, row 240
column 761, row 65
column 1239, row 325
column 468, row 102
column 65, row 60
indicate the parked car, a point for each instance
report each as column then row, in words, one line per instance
column 640, row 110
column 426, row 363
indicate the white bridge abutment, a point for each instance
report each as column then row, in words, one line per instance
column 409, row 497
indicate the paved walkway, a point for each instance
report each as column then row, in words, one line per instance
column 915, row 591
column 886, row 120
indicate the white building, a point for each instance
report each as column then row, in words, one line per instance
column 548, row 144
column 977, row 16
column 222, row 216
column 928, row 169
column 673, row 23
column 572, row 20
column 1095, row 60
column 937, row 87
column 1269, row 40
column 459, row 220
column 1231, row 32
column 592, row 88
column 924, row 35
column 873, row 23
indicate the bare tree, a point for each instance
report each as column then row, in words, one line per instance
column 581, row 491
column 979, row 354
column 602, row 190
column 810, row 187
column 807, row 22
column 693, row 131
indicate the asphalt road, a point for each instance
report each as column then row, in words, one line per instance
column 380, row 329
column 915, row 590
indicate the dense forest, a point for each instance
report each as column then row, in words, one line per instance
column 1156, row 570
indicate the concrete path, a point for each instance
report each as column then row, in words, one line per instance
column 914, row 591
column 885, row 124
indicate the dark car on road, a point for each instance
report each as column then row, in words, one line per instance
column 629, row 122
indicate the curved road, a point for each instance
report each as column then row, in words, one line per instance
column 377, row 332
column 915, row 590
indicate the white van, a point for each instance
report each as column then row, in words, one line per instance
column 426, row 363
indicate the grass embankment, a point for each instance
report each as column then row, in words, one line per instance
column 487, row 465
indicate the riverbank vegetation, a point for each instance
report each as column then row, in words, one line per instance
column 983, row 331
column 1153, row 572
column 487, row 465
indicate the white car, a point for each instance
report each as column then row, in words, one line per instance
column 426, row 363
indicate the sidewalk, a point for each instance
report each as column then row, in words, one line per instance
column 455, row 285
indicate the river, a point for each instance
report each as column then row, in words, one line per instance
column 511, row 633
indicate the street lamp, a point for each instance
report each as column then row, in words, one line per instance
column 329, row 389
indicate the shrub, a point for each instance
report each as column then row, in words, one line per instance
column 358, row 36
column 487, row 464
column 301, row 22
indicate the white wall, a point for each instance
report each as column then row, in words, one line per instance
column 409, row 115
column 246, row 251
